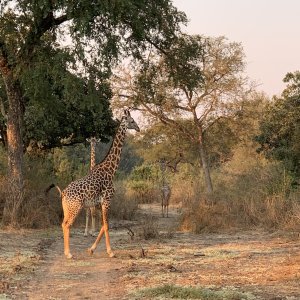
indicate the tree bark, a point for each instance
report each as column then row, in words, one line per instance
column 204, row 162
column 15, row 182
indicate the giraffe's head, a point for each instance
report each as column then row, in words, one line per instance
column 93, row 140
column 129, row 121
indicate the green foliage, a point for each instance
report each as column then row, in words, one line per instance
column 220, row 142
column 130, row 158
column 61, row 105
column 280, row 128
column 62, row 87
column 191, row 88
column 144, row 172
column 143, row 183
column 70, row 163
column 165, row 142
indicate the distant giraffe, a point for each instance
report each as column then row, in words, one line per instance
column 97, row 187
column 91, row 211
column 165, row 189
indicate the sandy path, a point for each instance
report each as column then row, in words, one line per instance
column 84, row 277
column 32, row 264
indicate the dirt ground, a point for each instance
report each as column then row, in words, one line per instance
column 260, row 264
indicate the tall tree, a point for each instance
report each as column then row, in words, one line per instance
column 99, row 32
column 190, row 88
column 280, row 128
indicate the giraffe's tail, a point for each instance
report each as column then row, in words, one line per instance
column 52, row 186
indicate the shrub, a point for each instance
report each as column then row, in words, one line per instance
column 149, row 229
column 248, row 192
column 122, row 206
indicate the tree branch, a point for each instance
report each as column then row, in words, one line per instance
column 37, row 30
column 166, row 120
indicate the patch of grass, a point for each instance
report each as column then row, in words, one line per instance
column 19, row 263
column 74, row 263
column 179, row 292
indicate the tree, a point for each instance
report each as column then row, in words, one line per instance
column 100, row 32
column 190, row 88
column 280, row 127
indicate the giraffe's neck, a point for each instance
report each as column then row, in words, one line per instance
column 163, row 173
column 113, row 157
column 93, row 154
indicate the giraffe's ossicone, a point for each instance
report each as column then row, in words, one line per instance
column 96, row 187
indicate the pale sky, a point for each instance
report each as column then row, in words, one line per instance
column 269, row 31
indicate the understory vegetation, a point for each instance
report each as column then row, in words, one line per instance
column 249, row 191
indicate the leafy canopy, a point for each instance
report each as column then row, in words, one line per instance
column 62, row 53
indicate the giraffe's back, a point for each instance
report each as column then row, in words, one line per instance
column 85, row 192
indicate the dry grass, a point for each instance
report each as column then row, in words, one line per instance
column 248, row 192
column 182, row 292
column 123, row 207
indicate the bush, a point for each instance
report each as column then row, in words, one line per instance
column 143, row 191
column 36, row 210
column 122, row 206
column 248, row 192
column 149, row 229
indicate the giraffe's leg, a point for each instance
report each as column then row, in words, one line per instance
column 93, row 214
column 104, row 230
column 87, row 216
column 69, row 218
column 94, row 246
column 66, row 231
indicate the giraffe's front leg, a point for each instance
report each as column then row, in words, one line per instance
column 104, row 230
column 94, row 246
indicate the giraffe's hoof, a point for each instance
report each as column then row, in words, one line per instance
column 111, row 254
column 90, row 251
column 85, row 234
column 69, row 256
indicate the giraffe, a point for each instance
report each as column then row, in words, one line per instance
column 165, row 190
column 91, row 211
column 97, row 187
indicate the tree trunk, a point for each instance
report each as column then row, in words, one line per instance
column 15, row 180
column 205, row 165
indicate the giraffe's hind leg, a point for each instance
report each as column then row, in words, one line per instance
column 93, row 214
column 87, row 217
column 69, row 218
